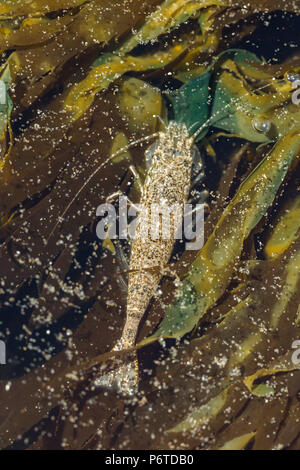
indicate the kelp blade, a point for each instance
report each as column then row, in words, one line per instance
column 213, row 268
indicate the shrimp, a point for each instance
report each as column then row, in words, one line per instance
column 168, row 180
column 167, row 183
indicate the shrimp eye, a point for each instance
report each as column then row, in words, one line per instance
column 261, row 125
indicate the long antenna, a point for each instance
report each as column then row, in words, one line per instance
column 123, row 149
column 139, row 141
column 225, row 107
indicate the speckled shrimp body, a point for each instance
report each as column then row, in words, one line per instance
column 167, row 183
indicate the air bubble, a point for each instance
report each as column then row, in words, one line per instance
column 261, row 125
column 292, row 77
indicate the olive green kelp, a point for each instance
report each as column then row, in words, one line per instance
column 213, row 268
column 220, row 97
column 237, row 110
column 5, row 110
column 85, row 78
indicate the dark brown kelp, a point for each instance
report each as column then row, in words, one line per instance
column 83, row 79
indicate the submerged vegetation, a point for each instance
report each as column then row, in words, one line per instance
column 82, row 82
